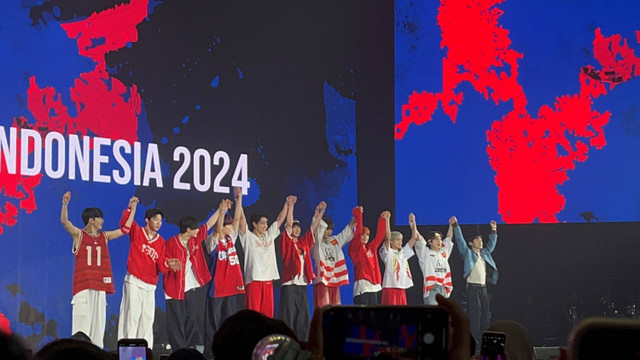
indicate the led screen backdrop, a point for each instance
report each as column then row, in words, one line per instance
column 523, row 111
column 175, row 102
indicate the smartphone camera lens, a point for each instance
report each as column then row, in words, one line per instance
column 428, row 338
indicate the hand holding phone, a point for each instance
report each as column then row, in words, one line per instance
column 132, row 349
column 493, row 344
column 397, row 332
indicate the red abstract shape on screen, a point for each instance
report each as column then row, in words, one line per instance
column 105, row 107
column 5, row 325
column 530, row 155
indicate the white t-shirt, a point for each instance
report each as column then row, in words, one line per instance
column 260, row 255
column 478, row 274
column 396, row 273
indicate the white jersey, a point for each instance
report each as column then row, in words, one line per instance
column 435, row 266
column 331, row 266
column 260, row 255
column 396, row 273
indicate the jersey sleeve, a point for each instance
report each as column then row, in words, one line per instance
column 272, row 233
column 381, row 231
column 408, row 251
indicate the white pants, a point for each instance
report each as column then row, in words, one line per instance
column 137, row 312
column 89, row 314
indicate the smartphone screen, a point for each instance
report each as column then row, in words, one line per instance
column 385, row 332
column 132, row 349
column 493, row 345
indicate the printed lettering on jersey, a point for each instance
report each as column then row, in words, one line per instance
column 106, row 280
column 153, row 254
column 369, row 254
column 329, row 255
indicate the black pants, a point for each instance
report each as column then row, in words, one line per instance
column 182, row 330
column 294, row 309
column 215, row 313
column 368, row 298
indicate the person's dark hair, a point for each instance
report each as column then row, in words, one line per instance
column 432, row 235
column 255, row 218
column 329, row 223
column 477, row 236
column 90, row 213
column 228, row 220
column 240, row 333
column 187, row 222
column 296, row 223
column 80, row 335
column 11, row 348
column 150, row 213
column 186, row 354
column 71, row 349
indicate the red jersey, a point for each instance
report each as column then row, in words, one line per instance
column 225, row 267
column 93, row 265
column 365, row 256
column 174, row 281
column 146, row 255
column 291, row 252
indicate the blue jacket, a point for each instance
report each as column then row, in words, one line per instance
column 470, row 257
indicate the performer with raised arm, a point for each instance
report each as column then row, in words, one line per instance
column 226, row 293
column 146, row 260
column 92, row 276
column 479, row 268
column 297, row 271
column 260, row 267
column 331, row 267
column 433, row 257
column 367, row 285
column 397, row 274
column 180, row 286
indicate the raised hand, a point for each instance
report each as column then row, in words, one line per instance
column 453, row 220
column 66, row 197
column 386, row 215
column 321, row 207
column 133, row 202
column 494, row 225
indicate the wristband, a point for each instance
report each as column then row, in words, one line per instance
column 125, row 229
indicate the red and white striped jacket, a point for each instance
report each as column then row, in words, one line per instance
column 331, row 267
column 435, row 266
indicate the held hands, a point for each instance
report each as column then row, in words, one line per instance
column 174, row 264
column 453, row 220
column 238, row 192
column 494, row 225
column 412, row 221
column 133, row 203
column 322, row 206
column 385, row 215
column 66, row 197
column 225, row 204
column 292, row 199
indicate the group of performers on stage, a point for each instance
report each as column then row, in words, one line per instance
column 233, row 286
